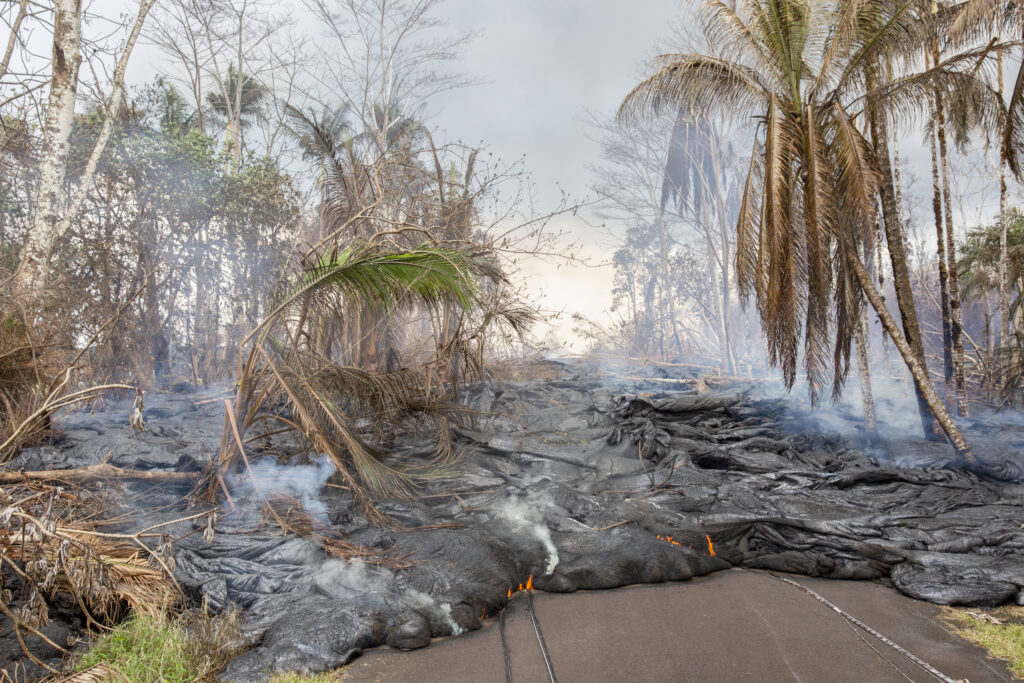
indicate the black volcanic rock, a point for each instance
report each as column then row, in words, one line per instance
column 580, row 482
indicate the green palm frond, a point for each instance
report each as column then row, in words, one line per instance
column 246, row 91
column 429, row 276
column 294, row 360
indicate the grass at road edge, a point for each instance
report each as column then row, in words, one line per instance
column 186, row 648
column 1000, row 631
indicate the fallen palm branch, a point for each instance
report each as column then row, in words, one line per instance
column 94, row 674
column 301, row 369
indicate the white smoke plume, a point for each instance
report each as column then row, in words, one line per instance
column 425, row 603
column 526, row 515
column 341, row 579
column 272, row 478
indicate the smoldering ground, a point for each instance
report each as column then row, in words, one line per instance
column 579, row 481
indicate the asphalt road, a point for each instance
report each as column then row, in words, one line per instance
column 731, row 626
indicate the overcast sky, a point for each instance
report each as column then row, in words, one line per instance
column 546, row 64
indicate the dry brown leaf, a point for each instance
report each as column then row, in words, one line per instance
column 982, row 616
column 94, row 674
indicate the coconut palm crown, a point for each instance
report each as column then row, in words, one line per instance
column 800, row 69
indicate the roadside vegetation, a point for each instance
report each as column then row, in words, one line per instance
column 324, row 252
column 999, row 630
column 173, row 649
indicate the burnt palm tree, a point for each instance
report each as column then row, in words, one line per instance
column 802, row 67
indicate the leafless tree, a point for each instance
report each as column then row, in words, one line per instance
column 239, row 59
column 383, row 61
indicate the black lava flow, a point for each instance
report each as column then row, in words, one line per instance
column 577, row 481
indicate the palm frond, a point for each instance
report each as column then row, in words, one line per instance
column 817, row 215
column 381, row 280
column 1013, row 131
column 976, row 19
column 684, row 80
column 960, row 80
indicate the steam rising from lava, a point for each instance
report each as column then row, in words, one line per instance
column 347, row 579
column 271, row 478
column 526, row 515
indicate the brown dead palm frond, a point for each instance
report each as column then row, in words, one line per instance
column 681, row 79
column 979, row 20
column 49, row 547
column 107, row 576
column 99, row 673
column 376, row 325
column 800, row 69
column 804, row 72
column 962, row 79
column 289, row 514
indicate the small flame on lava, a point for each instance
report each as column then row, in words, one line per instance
column 522, row 587
column 669, row 539
column 711, row 546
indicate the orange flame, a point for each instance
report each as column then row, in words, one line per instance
column 711, row 546
column 527, row 587
column 483, row 614
column 669, row 539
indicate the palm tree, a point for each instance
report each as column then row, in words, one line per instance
column 813, row 182
column 295, row 357
column 238, row 101
column 699, row 178
column 943, row 263
column 956, row 383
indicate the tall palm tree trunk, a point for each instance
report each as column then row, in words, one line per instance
column 726, row 259
column 666, row 290
column 1004, row 257
column 898, row 254
column 917, row 369
column 955, row 314
column 940, row 250
column 866, row 395
column 725, row 355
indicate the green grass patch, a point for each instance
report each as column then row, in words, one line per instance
column 145, row 649
column 187, row 648
column 1000, row 631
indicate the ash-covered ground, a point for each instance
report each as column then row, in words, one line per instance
column 580, row 481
